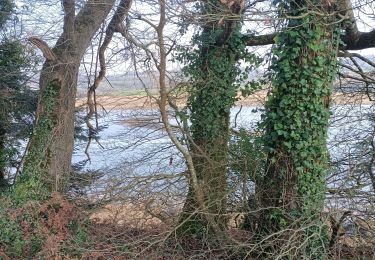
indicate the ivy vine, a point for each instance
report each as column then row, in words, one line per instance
column 34, row 182
column 296, row 117
column 215, row 77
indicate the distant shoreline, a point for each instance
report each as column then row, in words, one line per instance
column 257, row 99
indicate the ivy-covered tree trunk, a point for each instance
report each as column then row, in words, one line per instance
column 48, row 159
column 296, row 123
column 3, row 182
column 213, row 70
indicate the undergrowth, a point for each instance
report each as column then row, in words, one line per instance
column 38, row 230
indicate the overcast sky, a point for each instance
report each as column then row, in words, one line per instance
column 44, row 19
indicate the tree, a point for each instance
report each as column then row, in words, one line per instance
column 48, row 159
column 215, row 78
column 292, row 191
column 16, row 99
column 6, row 7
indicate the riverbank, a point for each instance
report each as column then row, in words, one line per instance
column 134, row 102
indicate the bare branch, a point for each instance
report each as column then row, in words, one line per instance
column 43, row 46
column 353, row 38
column 69, row 17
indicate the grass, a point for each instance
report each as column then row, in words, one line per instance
column 132, row 92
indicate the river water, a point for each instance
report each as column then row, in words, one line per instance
column 131, row 138
column 133, row 151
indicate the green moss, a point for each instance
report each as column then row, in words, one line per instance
column 34, row 182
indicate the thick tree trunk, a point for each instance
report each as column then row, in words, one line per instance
column 296, row 124
column 210, row 157
column 213, row 74
column 3, row 182
column 48, row 159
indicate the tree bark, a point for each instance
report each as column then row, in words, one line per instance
column 3, row 182
column 115, row 25
column 296, row 124
column 48, row 159
column 213, row 72
column 353, row 39
column 362, row 40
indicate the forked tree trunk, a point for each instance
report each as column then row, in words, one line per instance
column 48, row 159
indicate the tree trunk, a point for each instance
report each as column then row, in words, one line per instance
column 3, row 182
column 213, row 72
column 210, row 161
column 48, row 159
column 296, row 124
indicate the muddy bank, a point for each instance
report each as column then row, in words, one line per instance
column 257, row 99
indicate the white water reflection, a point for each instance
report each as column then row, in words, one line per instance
column 134, row 147
column 134, row 138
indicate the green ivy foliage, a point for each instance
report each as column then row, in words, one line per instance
column 20, row 233
column 247, row 161
column 246, row 154
column 297, row 114
column 34, row 182
column 215, row 77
